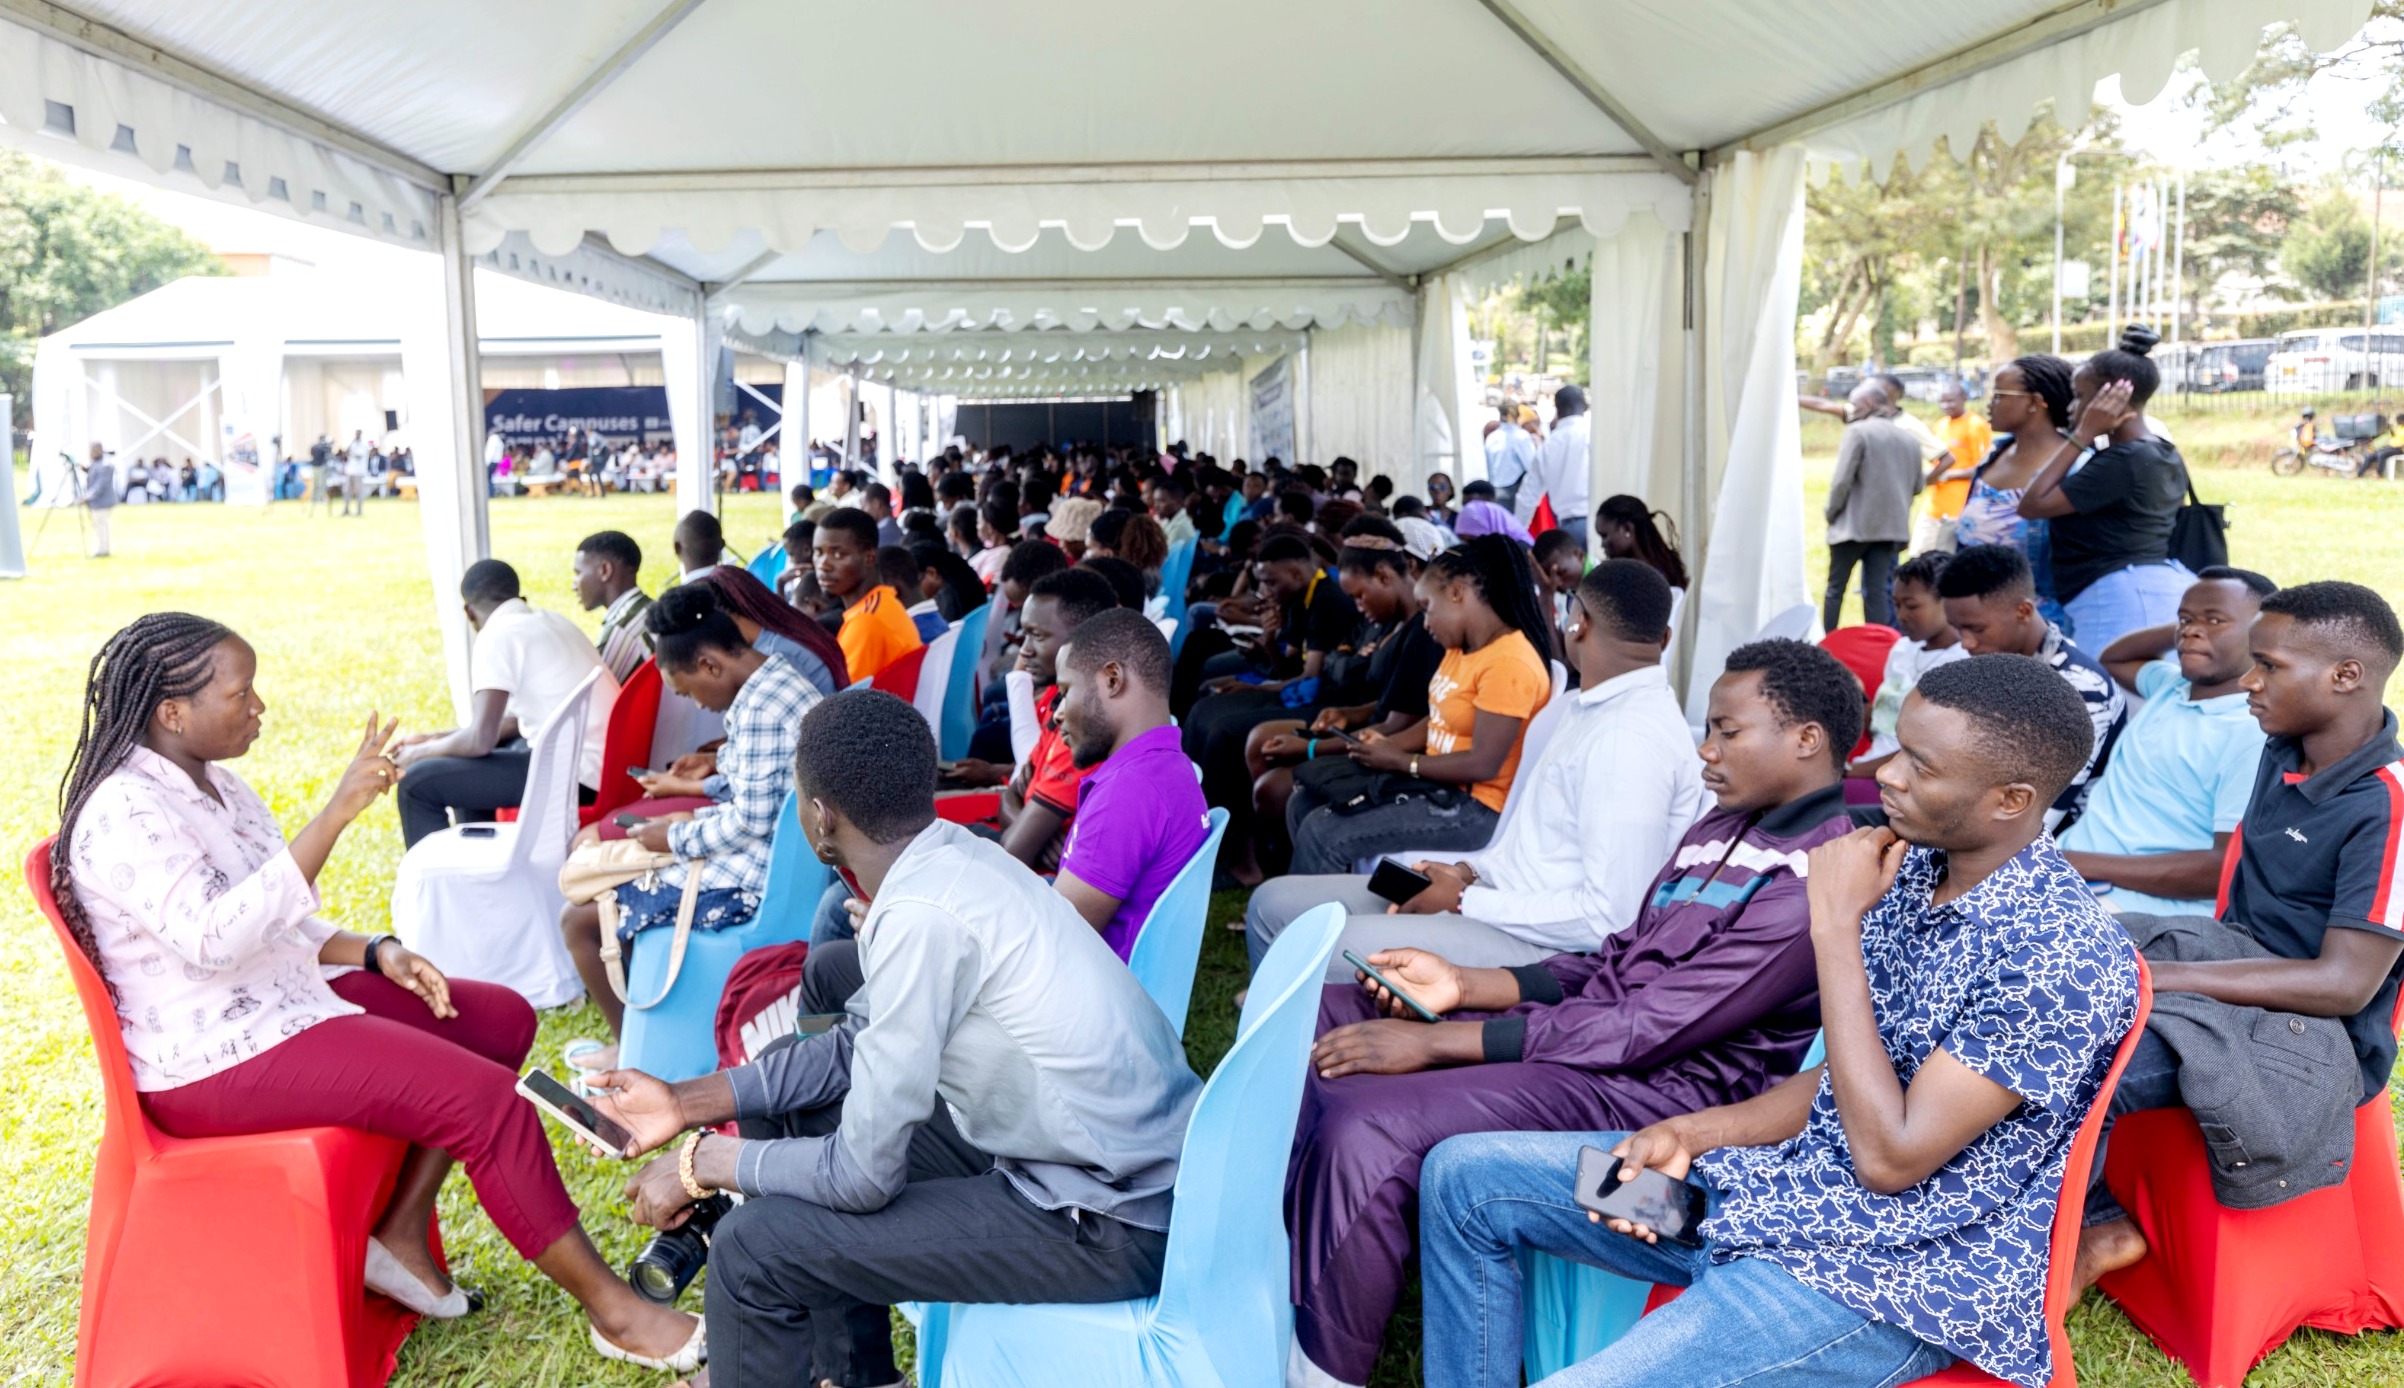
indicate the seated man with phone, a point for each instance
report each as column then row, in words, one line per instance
column 1600, row 810
column 962, row 1135
column 1867, row 1222
column 1706, row 998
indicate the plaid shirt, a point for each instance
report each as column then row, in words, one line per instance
column 763, row 725
column 625, row 639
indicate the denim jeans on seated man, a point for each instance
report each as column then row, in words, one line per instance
column 1747, row 1321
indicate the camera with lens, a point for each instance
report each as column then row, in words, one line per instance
column 669, row 1263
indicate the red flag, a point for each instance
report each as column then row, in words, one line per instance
column 1544, row 518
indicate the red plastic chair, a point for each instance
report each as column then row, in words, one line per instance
column 2222, row 1288
column 900, row 679
column 2066, row 1222
column 633, row 720
column 227, row 1260
column 1863, row 649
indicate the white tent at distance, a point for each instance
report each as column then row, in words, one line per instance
column 1331, row 171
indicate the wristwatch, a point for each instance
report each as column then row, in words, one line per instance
column 374, row 943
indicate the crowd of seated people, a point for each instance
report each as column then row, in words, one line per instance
column 1626, row 941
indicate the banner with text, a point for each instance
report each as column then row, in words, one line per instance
column 1273, row 411
column 614, row 412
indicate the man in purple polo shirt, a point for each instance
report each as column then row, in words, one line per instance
column 1140, row 814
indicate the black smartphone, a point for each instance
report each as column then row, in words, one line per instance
column 1341, row 735
column 629, row 821
column 1388, row 984
column 478, row 831
column 1664, row 1204
column 575, row 1114
column 1397, row 883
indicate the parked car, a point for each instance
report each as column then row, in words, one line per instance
column 2318, row 361
column 2222, row 367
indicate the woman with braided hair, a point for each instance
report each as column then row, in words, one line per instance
column 1444, row 778
column 244, row 1012
column 2028, row 407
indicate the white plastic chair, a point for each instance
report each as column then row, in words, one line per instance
column 487, row 908
column 935, row 678
column 1025, row 732
column 1532, row 741
column 1794, row 624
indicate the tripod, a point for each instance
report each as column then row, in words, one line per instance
column 75, row 484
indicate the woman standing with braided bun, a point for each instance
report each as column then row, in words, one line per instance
column 2028, row 407
column 243, row 1012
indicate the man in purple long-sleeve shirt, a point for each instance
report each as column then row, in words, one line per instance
column 1708, row 998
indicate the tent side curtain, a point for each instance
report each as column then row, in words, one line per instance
column 2142, row 48
column 62, row 103
column 940, row 206
column 1360, row 399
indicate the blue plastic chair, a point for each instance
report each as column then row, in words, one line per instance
column 676, row 1037
column 1222, row 1318
column 1571, row 1312
column 769, row 564
column 1169, row 947
column 1176, row 572
column 960, row 696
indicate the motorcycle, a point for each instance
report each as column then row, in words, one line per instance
column 2343, row 459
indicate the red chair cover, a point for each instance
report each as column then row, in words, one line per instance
column 633, row 720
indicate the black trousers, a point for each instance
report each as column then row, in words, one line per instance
column 474, row 786
column 1877, row 560
column 795, row 1285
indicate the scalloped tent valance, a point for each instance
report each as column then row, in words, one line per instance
column 1225, row 307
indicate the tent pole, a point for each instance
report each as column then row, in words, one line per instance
column 1694, row 532
column 441, row 363
column 697, row 467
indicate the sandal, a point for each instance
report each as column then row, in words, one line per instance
column 692, row 1355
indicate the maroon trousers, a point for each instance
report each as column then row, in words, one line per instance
column 397, row 1069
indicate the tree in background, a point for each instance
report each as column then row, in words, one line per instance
column 2237, row 220
column 68, row 252
column 2329, row 251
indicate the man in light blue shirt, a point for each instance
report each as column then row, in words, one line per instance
column 2158, row 821
column 1509, row 451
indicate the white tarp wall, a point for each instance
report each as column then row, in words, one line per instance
column 1635, row 369
column 1215, row 413
column 1360, row 398
column 1445, row 395
column 1752, row 552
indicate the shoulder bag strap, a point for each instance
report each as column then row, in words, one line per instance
column 613, row 956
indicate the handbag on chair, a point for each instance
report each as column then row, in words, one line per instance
column 594, row 872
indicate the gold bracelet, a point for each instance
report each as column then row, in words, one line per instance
column 684, row 1165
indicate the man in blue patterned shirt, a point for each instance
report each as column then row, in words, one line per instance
column 1881, row 1215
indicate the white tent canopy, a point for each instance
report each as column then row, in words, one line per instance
column 875, row 169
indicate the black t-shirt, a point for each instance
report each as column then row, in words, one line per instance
column 2126, row 497
column 1405, row 666
column 2322, row 854
column 1321, row 618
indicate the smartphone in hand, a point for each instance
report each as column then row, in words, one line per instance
column 630, row 822
column 1397, row 883
column 1388, row 984
column 1666, row 1205
column 575, row 1114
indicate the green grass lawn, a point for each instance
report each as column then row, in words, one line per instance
column 343, row 617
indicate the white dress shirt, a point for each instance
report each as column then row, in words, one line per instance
column 1616, row 787
column 203, row 920
column 1560, row 471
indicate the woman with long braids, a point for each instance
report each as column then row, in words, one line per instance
column 1480, row 603
column 2028, row 406
column 1629, row 529
column 243, row 1012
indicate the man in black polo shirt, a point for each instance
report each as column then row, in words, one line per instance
column 2314, row 875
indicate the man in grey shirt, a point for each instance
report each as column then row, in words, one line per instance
column 1869, row 505
column 100, row 497
column 997, row 1118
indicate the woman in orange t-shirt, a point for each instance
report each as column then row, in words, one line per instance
column 1481, row 603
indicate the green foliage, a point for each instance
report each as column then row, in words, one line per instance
column 2329, row 251
column 68, row 252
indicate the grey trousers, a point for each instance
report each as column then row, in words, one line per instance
column 1458, row 938
column 795, row 1286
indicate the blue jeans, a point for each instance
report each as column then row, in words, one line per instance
column 2126, row 600
column 1749, row 1321
column 832, row 922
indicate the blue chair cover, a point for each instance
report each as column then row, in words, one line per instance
column 1175, row 572
column 677, row 1038
column 1572, row 1312
column 1222, row 1318
column 769, row 564
column 960, row 697
column 1169, row 947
